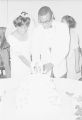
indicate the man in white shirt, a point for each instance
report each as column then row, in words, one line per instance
column 51, row 42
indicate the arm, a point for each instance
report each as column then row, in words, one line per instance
column 76, row 48
column 25, row 61
column 14, row 47
column 60, row 48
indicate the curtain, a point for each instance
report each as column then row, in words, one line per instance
column 3, row 13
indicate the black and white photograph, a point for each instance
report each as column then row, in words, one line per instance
column 40, row 60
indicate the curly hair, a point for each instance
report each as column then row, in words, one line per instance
column 21, row 20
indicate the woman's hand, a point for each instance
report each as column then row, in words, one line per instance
column 36, row 68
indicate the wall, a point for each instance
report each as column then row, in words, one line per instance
column 59, row 8
column 3, row 13
column 10, row 9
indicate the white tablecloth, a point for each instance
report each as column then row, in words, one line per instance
column 39, row 98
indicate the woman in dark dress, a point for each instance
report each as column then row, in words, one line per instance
column 4, row 53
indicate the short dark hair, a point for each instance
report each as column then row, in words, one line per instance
column 70, row 20
column 20, row 20
column 44, row 10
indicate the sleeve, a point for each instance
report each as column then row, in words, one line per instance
column 14, row 46
column 74, row 39
column 60, row 45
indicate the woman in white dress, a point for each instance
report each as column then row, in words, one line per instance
column 72, row 59
column 19, row 48
column 20, row 66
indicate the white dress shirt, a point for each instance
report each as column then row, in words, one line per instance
column 55, row 38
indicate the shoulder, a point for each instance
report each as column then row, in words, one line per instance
column 11, row 35
column 61, row 27
column 60, row 24
column 11, row 40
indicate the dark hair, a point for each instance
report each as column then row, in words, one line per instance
column 44, row 10
column 20, row 20
column 70, row 21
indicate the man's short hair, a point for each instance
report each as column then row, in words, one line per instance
column 44, row 10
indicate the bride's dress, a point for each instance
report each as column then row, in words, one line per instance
column 19, row 71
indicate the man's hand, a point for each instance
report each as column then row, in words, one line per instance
column 47, row 67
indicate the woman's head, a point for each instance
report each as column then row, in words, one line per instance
column 69, row 20
column 22, row 20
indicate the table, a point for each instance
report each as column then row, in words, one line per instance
column 40, row 98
